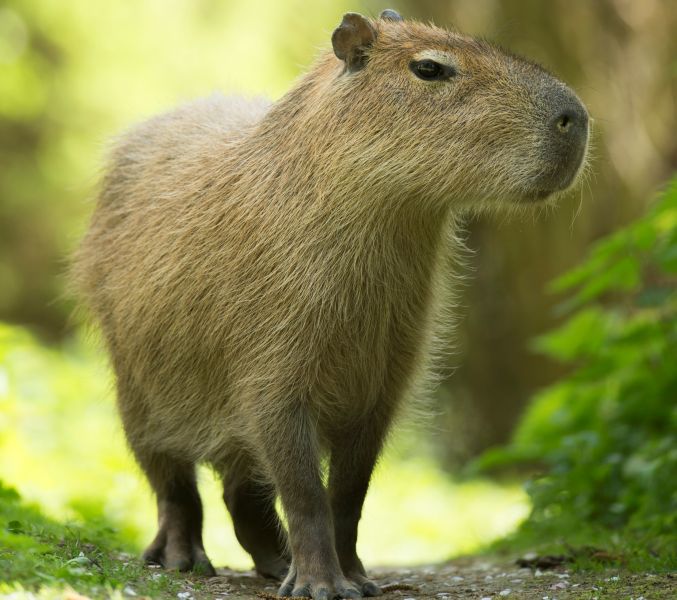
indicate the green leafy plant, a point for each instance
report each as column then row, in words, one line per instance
column 607, row 433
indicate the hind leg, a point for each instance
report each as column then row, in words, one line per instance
column 251, row 503
column 178, row 543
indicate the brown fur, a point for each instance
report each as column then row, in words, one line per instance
column 267, row 278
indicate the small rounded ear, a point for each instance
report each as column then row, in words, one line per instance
column 351, row 39
column 390, row 15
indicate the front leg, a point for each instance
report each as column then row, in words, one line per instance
column 290, row 450
column 354, row 454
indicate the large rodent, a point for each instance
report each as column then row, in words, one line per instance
column 267, row 276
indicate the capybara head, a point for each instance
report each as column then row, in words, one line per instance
column 451, row 118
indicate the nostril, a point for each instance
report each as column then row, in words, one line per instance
column 564, row 122
column 570, row 120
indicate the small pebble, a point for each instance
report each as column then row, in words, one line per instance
column 505, row 592
column 129, row 591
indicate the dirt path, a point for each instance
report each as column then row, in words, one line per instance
column 465, row 578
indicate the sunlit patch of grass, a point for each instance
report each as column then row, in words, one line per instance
column 63, row 448
column 39, row 552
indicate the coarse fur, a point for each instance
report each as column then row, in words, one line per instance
column 269, row 277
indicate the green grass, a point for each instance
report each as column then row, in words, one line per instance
column 37, row 552
column 592, row 548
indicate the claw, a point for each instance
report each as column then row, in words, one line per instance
column 321, row 594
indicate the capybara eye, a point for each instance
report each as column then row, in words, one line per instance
column 429, row 70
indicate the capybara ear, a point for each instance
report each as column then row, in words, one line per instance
column 351, row 39
column 390, row 15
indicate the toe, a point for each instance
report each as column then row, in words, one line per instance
column 153, row 556
column 369, row 588
column 321, row 593
column 153, row 559
column 302, row 592
column 181, row 564
column 348, row 592
column 272, row 569
column 202, row 566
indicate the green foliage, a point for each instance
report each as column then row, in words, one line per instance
column 607, row 433
column 36, row 551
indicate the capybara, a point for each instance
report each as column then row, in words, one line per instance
column 268, row 277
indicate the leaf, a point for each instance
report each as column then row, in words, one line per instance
column 15, row 527
column 581, row 335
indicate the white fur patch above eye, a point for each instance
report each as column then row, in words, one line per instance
column 444, row 58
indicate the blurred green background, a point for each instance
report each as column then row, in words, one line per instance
column 74, row 73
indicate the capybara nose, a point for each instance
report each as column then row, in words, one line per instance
column 570, row 123
column 567, row 135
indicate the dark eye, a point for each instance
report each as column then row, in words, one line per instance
column 429, row 70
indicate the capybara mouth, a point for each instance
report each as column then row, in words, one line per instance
column 535, row 195
column 558, row 180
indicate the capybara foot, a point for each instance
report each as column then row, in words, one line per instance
column 325, row 587
column 184, row 557
column 272, row 567
column 365, row 585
